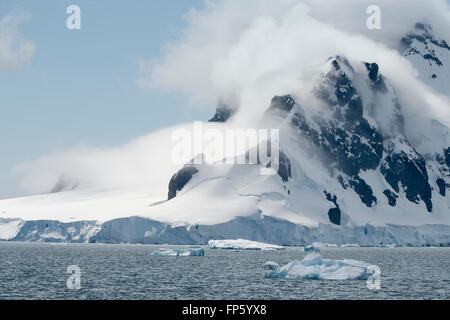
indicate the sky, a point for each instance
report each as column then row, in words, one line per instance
column 81, row 87
column 75, row 102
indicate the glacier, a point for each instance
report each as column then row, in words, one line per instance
column 256, row 228
column 313, row 267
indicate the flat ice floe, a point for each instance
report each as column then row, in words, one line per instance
column 311, row 248
column 315, row 268
column 316, row 246
column 387, row 245
column 197, row 252
column 241, row 244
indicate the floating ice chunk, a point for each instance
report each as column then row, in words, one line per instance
column 387, row 246
column 323, row 245
column 271, row 266
column 316, row 246
column 350, row 245
column 319, row 245
column 241, row 244
column 311, row 248
column 198, row 252
column 314, row 267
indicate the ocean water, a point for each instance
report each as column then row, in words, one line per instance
column 39, row 271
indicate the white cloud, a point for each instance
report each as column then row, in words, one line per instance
column 14, row 49
column 258, row 48
column 145, row 162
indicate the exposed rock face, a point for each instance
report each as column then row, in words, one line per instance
column 284, row 169
column 334, row 214
column 441, row 184
column 443, row 181
column 180, row 179
column 223, row 113
column 408, row 170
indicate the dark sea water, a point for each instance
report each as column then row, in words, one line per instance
column 38, row 271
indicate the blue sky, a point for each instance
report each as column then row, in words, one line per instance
column 80, row 87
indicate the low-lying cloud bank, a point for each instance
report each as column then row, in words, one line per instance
column 247, row 52
column 147, row 162
column 142, row 163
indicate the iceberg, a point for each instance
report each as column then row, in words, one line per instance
column 311, row 248
column 315, row 268
column 241, row 244
column 316, row 246
column 388, row 245
column 196, row 252
column 324, row 245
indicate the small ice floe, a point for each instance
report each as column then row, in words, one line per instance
column 387, row 245
column 315, row 268
column 350, row 245
column 241, row 244
column 316, row 246
column 197, row 252
column 311, row 248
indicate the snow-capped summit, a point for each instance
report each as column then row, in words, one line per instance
column 429, row 55
column 223, row 112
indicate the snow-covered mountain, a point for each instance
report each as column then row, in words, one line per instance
column 429, row 55
column 345, row 161
column 349, row 172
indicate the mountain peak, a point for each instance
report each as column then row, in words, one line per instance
column 429, row 55
column 223, row 112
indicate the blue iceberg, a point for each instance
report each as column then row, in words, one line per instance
column 316, row 268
